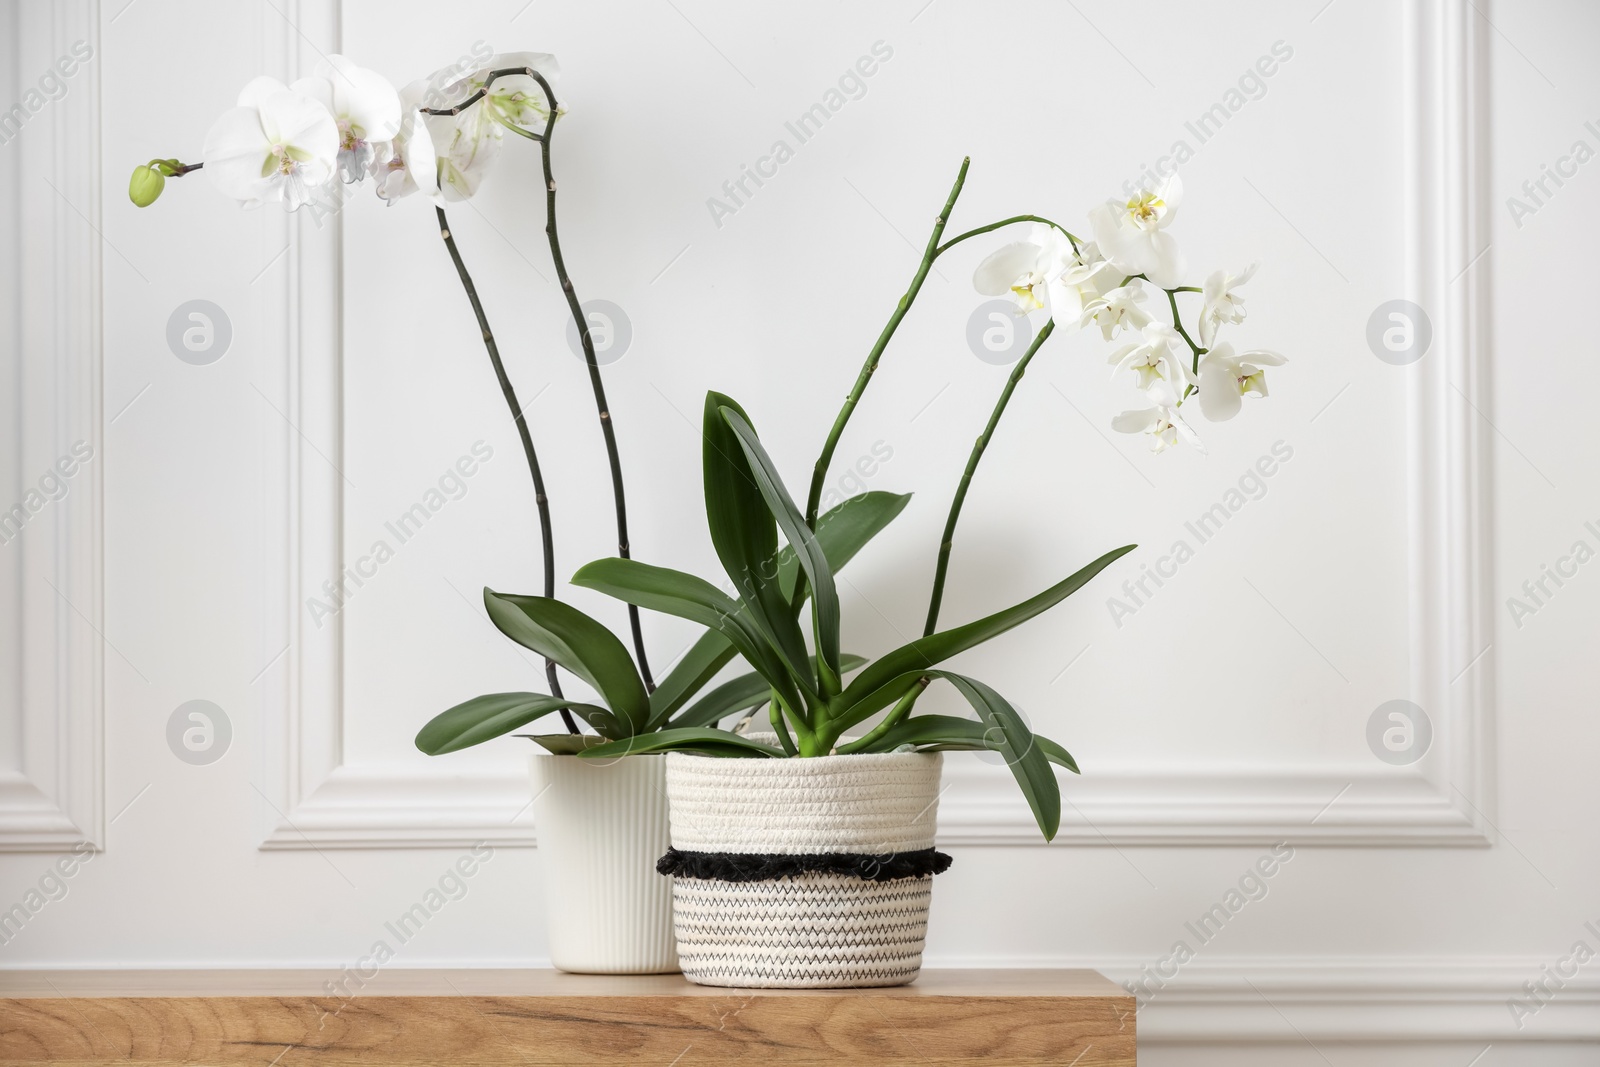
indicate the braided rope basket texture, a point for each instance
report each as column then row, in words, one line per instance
column 815, row 930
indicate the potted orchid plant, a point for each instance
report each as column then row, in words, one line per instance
column 807, row 858
column 815, row 870
column 601, row 824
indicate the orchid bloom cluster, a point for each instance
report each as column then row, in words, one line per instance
column 1103, row 283
column 286, row 143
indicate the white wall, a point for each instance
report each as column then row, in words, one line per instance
column 1222, row 717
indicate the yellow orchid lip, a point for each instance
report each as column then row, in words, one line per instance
column 1146, row 207
column 1026, row 292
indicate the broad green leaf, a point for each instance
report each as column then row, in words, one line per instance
column 1056, row 754
column 745, row 536
column 698, row 666
column 843, row 531
column 738, row 694
column 580, row 644
column 1009, row 736
column 483, row 718
column 702, row 741
column 676, row 593
column 813, row 561
column 871, row 689
column 951, row 730
column 935, row 733
column 565, row 744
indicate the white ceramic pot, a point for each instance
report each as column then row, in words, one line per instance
column 803, row 873
column 602, row 825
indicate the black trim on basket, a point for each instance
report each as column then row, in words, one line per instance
column 766, row 867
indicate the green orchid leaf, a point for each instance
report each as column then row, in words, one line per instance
column 1006, row 734
column 688, row 676
column 565, row 744
column 738, row 694
column 951, row 733
column 701, row 741
column 580, row 644
column 1056, row 754
column 484, row 718
column 813, row 560
column 745, row 536
column 687, row 597
column 886, row 679
column 842, row 531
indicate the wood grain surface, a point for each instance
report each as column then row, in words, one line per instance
column 545, row 1018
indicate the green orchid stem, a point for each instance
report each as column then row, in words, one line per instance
column 607, row 427
column 931, row 253
column 597, row 385
column 546, row 537
column 948, row 540
column 901, row 709
column 782, row 730
column 1012, row 221
column 820, row 473
column 1177, row 324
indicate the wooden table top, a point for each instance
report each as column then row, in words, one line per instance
column 527, row 982
column 284, row 1018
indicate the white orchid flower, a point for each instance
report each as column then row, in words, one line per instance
column 366, row 109
column 276, row 145
column 1134, row 237
column 1162, row 422
column 411, row 164
column 1222, row 304
column 1225, row 378
column 1155, row 358
column 468, row 143
column 1042, row 272
column 1117, row 308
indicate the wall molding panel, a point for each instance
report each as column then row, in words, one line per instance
column 51, row 613
column 1443, row 800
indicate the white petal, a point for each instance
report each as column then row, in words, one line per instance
column 1166, row 262
column 364, row 97
column 1065, row 303
column 235, row 151
column 1105, row 219
column 420, row 157
column 1219, row 395
column 1136, row 421
column 464, row 164
column 1263, row 357
column 290, row 118
column 1001, row 268
column 542, row 62
column 317, row 89
column 1187, row 433
column 1171, row 193
column 258, row 89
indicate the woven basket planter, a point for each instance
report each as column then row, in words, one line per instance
column 802, row 873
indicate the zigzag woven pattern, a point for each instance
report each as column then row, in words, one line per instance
column 812, row 931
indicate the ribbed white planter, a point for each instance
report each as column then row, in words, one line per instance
column 601, row 828
column 814, row 929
